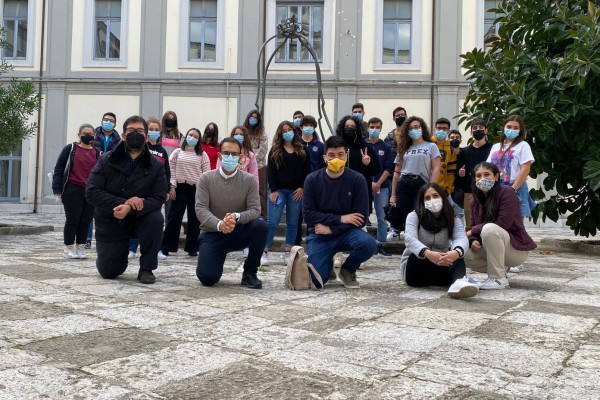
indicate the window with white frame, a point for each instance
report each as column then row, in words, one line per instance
column 490, row 29
column 397, row 32
column 107, row 30
column 310, row 18
column 14, row 20
column 203, row 30
column 10, row 175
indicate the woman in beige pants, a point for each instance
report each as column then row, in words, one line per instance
column 497, row 238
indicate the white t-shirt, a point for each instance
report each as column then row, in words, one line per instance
column 417, row 160
column 509, row 162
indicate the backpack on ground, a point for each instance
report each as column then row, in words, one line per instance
column 298, row 272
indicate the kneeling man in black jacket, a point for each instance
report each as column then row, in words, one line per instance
column 128, row 187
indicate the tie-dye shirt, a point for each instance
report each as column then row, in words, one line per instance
column 509, row 162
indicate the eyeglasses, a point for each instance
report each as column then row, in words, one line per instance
column 141, row 131
column 230, row 153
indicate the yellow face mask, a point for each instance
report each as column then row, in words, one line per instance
column 336, row 164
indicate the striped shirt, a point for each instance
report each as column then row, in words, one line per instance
column 187, row 166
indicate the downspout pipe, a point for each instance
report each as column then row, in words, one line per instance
column 39, row 117
column 433, row 33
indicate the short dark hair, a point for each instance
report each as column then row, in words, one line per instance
column 443, row 121
column 481, row 122
column 298, row 112
column 132, row 120
column 335, row 142
column 358, row 105
column 111, row 114
column 309, row 120
column 230, row 140
column 398, row 109
column 455, row 131
column 375, row 120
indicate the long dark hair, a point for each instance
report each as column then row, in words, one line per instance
column 198, row 146
column 339, row 130
column 518, row 139
column 489, row 203
column 277, row 152
column 214, row 141
column 174, row 131
column 405, row 140
column 246, row 146
column 447, row 210
column 258, row 128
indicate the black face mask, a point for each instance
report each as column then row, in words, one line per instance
column 478, row 135
column 400, row 120
column 87, row 139
column 171, row 123
column 455, row 143
column 350, row 135
column 135, row 141
column 210, row 134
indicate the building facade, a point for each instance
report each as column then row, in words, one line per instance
column 199, row 59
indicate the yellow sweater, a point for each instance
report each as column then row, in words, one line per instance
column 448, row 167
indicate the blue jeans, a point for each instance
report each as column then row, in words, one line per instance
column 322, row 248
column 133, row 245
column 292, row 211
column 381, row 200
column 458, row 210
column 526, row 202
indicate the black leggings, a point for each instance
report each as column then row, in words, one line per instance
column 78, row 213
column 422, row 272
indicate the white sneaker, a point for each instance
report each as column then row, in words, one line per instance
column 131, row 255
column 516, row 270
column 494, row 283
column 71, row 252
column 161, row 256
column 80, row 250
column 462, row 288
column 264, row 260
column 393, row 235
column 286, row 257
column 474, row 281
column 338, row 260
column 245, row 252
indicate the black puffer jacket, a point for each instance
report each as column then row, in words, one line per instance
column 108, row 185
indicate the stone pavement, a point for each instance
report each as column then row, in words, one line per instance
column 67, row 334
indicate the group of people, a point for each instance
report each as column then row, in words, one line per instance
column 236, row 189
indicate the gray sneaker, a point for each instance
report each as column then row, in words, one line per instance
column 349, row 279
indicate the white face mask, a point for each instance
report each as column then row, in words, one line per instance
column 434, row 205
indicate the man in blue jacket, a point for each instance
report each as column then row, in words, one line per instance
column 107, row 138
column 335, row 206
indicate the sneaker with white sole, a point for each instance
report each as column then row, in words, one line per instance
column 161, row 256
column 264, row 259
column 474, row 281
column 80, row 250
column 338, row 260
column 393, row 235
column 516, row 269
column 494, row 284
column 286, row 257
column 349, row 279
column 71, row 252
column 462, row 288
column 131, row 255
column 245, row 252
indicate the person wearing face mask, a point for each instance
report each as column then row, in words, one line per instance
column 69, row 177
column 247, row 161
column 393, row 138
column 127, row 188
column 297, row 120
column 435, row 245
column 466, row 161
column 228, row 208
column 259, row 143
column 287, row 167
column 210, row 143
column 358, row 112
column 417, row 163
column 187, row 164
column 170, row 137
column 107, row 137
column 441, row 137
column 498, row 239
column 335, row 207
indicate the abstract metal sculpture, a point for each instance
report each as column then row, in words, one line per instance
column 289, row 29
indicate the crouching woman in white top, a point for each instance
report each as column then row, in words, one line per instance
column 435, row 244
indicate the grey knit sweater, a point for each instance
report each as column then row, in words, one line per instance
column 416, row 238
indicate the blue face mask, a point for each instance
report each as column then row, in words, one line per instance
column 153, row 135
column 358, row 116
column 511, row 133
column 308, row 130
column 297, row 121
column 191, row 141
column 239, row 138
column 415, row 133
column 374, row 133
column 441, row 135
column 288, row 136
column 252, row 121
column 230, row 163
column 108, row 126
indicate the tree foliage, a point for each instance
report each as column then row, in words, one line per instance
column 18, row 101
column 545, row 66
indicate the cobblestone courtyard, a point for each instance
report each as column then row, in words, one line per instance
column 65, row 333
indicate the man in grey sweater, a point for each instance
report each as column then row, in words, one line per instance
column 228, row 208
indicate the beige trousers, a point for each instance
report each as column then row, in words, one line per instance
column 496, row 253
column 467, row 208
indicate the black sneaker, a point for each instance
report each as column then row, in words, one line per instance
column 381, row 250
column 251, row 281
column 88, row 245
column 146, row 277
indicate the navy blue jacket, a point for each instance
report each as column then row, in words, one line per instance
column 99, row 140
column 325, row 200
column 315, row 150
column 383, row 151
